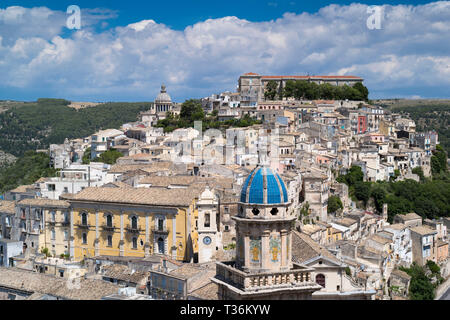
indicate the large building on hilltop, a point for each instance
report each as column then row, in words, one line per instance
column 252, row 85
column 263, row 268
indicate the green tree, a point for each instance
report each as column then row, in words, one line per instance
column 378, row 194
column 26, row 170
column 364, row 92
column 334, row 204
column 362, row 191
column 439, row 161
column 191, row 110
column 271, row 90
column 421, row 287
column 419, row 172
column 87, row 156
column 109, row 157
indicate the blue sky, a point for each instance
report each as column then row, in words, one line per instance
column 126, row 49
column 178, row 14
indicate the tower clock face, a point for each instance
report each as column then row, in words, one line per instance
column 207, row 240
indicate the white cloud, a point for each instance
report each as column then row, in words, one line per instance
column 410, row 52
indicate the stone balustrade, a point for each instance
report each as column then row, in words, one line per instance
column 252, row 281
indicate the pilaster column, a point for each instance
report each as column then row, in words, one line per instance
column 284, row 240
column 174, row 237
column 247, row 251
column 97, row 234
column 147, row 236
column 71, row 236
column 265, row 258
column 122, row 242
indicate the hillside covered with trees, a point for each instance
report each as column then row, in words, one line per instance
column 26, row 170
column 34, row 126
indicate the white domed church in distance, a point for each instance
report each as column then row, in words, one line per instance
column 163, row 102
column 161, row 106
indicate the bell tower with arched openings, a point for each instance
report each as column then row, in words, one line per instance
column 263, row 268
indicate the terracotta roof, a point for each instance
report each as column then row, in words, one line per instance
column 42, row 202
column 22, row 189
column 123, row 273
column 311, row 228
column 409, row 216
column 155, row 166
column 7, row 207
column 396, row 226
column 36, row 283
column 379, row 239
column 184, row 180
column 250, row 74
column 139, row 196
column 304, row 248
column 401, row 274
column 423, row 230
column 347, row 222
column 117, row 184
column 186, row 271
column 207, row 292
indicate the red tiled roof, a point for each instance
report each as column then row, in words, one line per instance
column 251, row 74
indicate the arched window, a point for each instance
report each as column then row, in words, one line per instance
column 134, row 222
column 84, row 219
column 109, row 221
column 320, row 280
column 207, row 220
column 161, row 246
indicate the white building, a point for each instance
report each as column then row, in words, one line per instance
column 74, row 179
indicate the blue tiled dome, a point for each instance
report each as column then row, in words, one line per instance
column 263, row 186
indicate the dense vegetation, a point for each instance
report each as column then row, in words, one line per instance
column 429, row 198
column 26, row 170
column 428, row 116
column 334, row 204
column 301, row 89
column 424, row 280
column 191, row 111
column 34, row 126
column 108, row 157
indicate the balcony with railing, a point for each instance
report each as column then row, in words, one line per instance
column 298, row 276
column 160, row 230
column 133, row 229
column 108, row 227
column 82, row 225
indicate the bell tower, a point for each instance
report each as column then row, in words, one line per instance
column 263, row 268
column 264, row 223
column 207, row 226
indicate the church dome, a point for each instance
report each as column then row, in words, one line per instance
column 163, row 96
column 263, row 186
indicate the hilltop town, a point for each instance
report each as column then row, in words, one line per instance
column 287, row 199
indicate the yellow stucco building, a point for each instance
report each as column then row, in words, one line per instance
column 134, row 222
